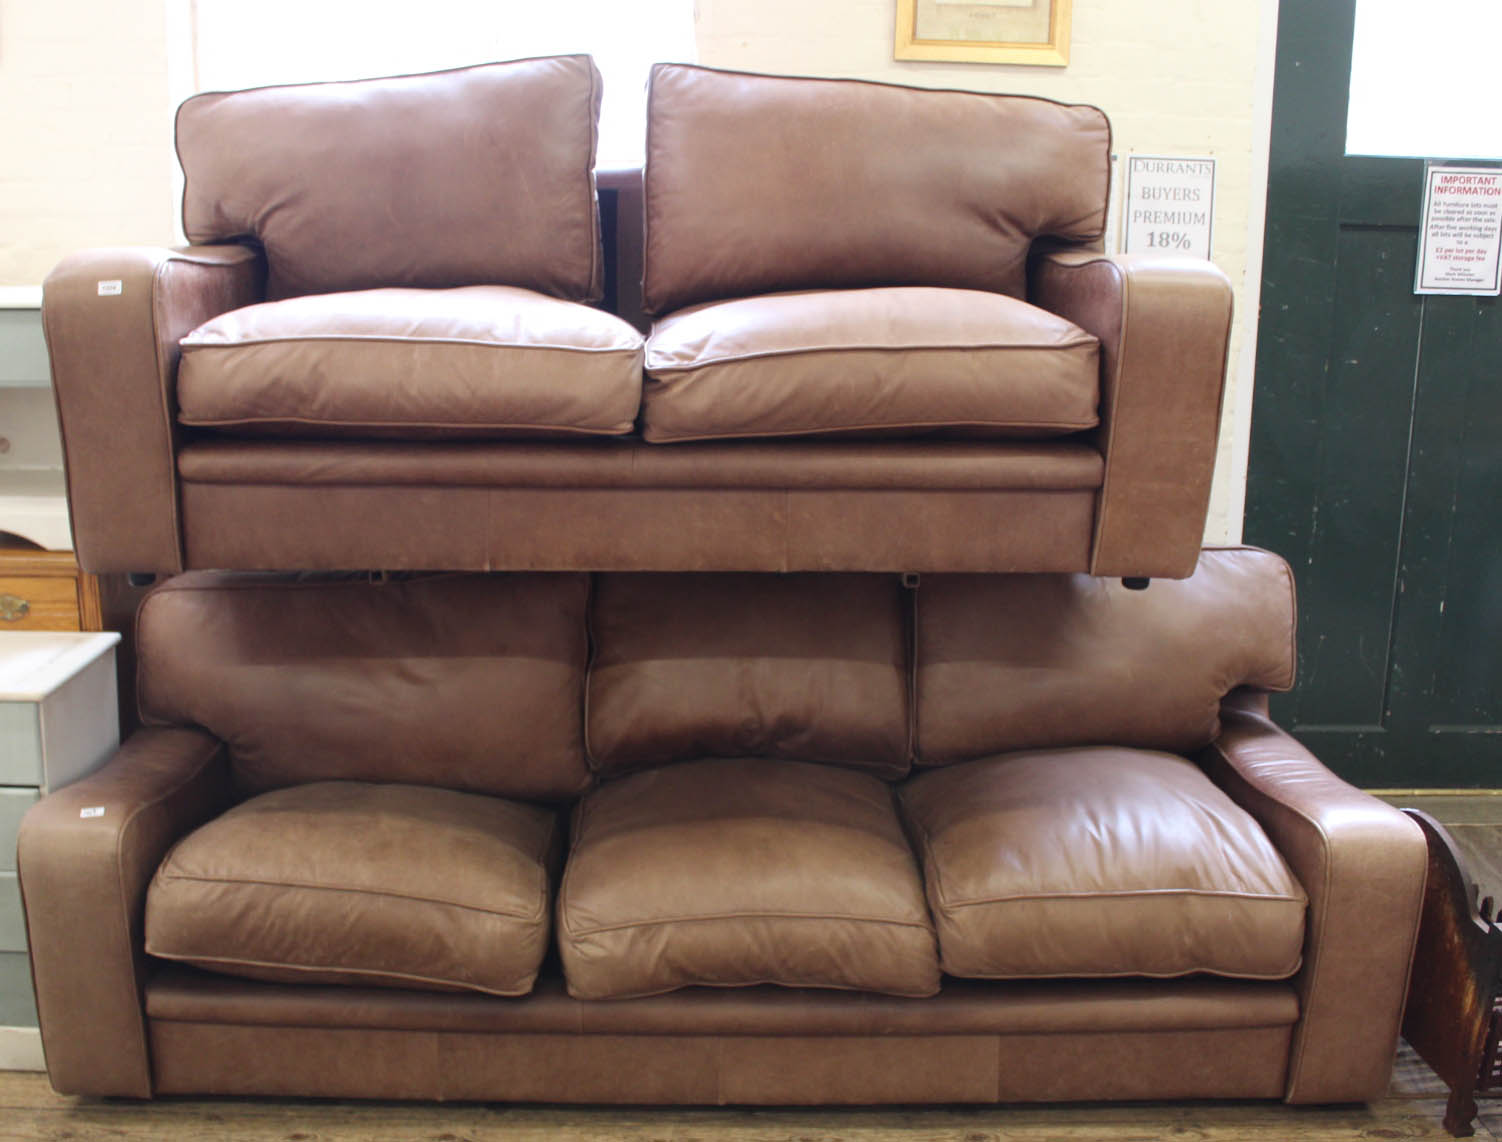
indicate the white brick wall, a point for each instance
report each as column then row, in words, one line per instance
column 85, row 133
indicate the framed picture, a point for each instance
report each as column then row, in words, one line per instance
column 984, row 31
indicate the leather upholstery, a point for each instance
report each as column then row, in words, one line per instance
column 971, row 1042
column 464, row 682
column 114, row 362
column 757, row 183
column 208, row 1058
column 347, row 882
column 669, row 844
column 84, row 881
column 182, row 994
column 1019, row 662
column 466, row 177
column 812, row 465
column 967, row 187
column 1363, row 864
column 1160, row 402
column 729, row 873
column 480, row 361
column 894, row 361
column 406, row 525
column 1102, row 861
column 800, row 667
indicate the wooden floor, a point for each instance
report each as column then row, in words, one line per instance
column 30, row 1111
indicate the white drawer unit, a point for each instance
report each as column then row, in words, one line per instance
column 14, row 801
column 33, row 495
column 58, row 713
column 12, row 925
column 17, row 1006
column 58, row 722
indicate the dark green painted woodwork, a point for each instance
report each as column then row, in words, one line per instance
column 1376, row 453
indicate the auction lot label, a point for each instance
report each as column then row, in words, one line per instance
column 1461, row 232
column 1170, row 204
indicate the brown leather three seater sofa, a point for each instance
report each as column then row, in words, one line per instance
column 720, row 838
column 882, row 337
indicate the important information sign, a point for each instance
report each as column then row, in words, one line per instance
column 1170, row 204
column 1462, row 231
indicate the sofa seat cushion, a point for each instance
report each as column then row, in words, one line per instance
column 736, row 872
column 891, row 361
column 349, row 882
column 480, row 361
column 1099, row 862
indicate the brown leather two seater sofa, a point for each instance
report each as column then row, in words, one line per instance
column 880, row 335
column 710, row 838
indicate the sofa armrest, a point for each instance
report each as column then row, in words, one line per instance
column 86, row 855
column 113, row 318
column 1164, row 325
column 1362, row 863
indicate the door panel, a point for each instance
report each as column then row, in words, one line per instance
column 1376, row 455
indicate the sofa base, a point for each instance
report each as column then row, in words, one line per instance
column 972, row 1043
column 404, row 528
column 621, row 505
column 321, row 1062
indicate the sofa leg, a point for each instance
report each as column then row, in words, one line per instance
column 1135, row 583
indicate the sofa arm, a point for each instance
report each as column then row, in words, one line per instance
column 113, row 318
column 1164, row 325
column 86, row 855
column 1363, row 864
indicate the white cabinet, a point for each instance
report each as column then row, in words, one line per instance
column 33, row 498
column 58, row 722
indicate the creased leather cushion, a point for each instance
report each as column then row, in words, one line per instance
column 469, row 682
column 901, row 360
column 480, row 361
column 799, row 667
column 758, row 183
column 728, row 873
column 1009, row 662
column 477, row 175
column 1100, row 862
column 344, row 882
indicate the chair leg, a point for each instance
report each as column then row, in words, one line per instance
column 1460, row 1113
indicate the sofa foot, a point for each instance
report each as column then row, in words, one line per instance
column 1135, row 583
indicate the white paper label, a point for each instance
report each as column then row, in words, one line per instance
column 1170, row 204
column 93, row 811
column 110, row 288
column 1461, row 232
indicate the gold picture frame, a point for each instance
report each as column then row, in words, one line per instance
column 1032, row 32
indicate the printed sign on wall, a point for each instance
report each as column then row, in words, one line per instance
column 1170, row 204
column 1461, row 232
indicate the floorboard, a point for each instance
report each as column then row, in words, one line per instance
column 29, row 1110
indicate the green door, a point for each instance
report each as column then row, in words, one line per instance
column 1376, row 452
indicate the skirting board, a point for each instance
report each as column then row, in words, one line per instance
column 21, row 1049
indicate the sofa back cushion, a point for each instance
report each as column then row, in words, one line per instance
column 757, row 183
column 468, row 682
column 481, row 175
column 795, row 667
column 1010, row 662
